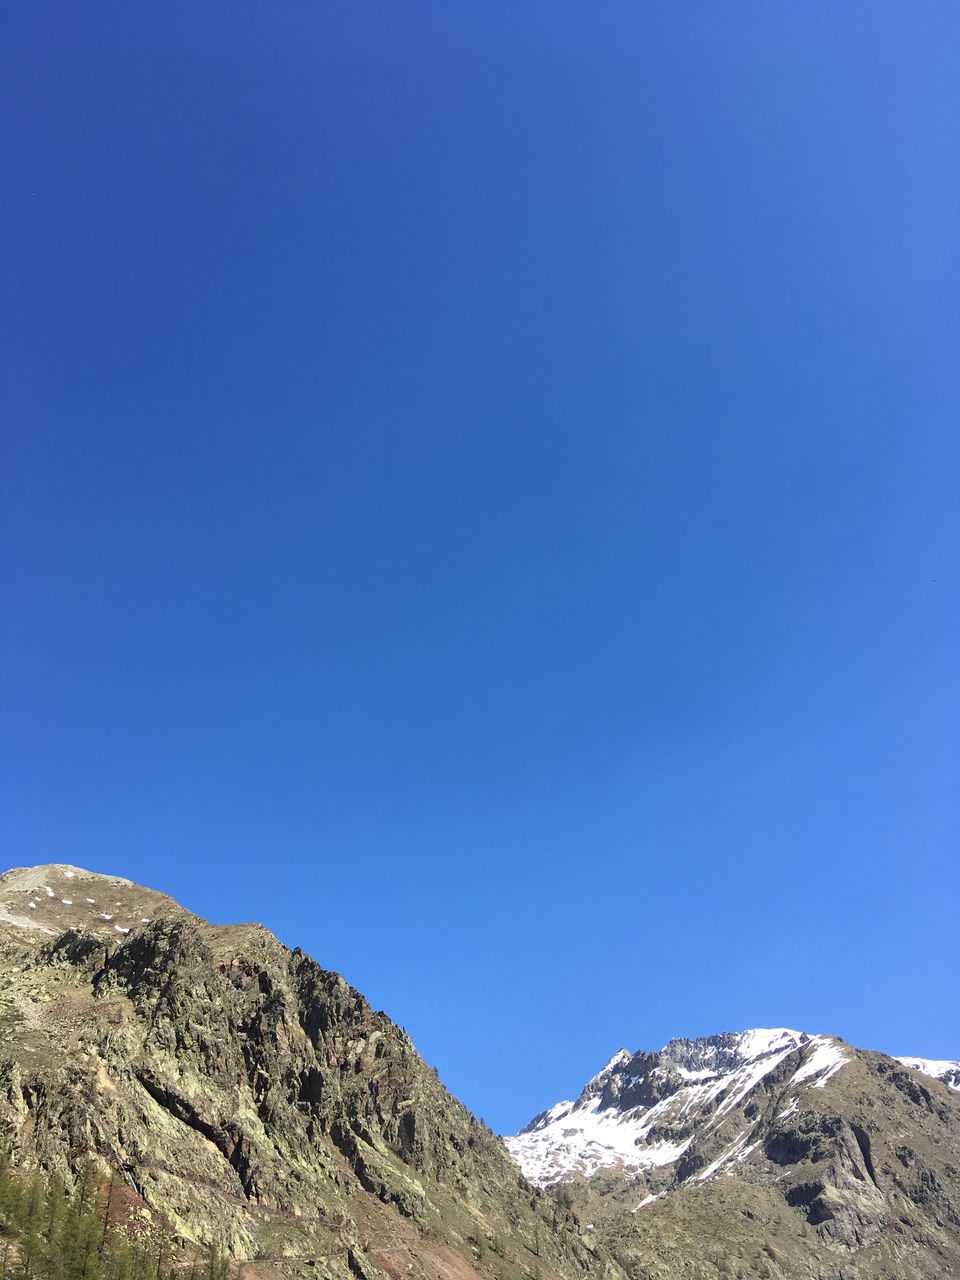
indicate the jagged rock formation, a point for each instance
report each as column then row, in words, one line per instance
column 249, row 1097
column 768, row 1153
column 241, row 1094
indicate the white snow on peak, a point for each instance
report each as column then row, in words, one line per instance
column 825, row 1061
column 761, row 1040
column 619, row 1059
column 692, row 1086
column 939, row 1068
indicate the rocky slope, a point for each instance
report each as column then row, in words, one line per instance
column 766, row 1153
column 242, row 1094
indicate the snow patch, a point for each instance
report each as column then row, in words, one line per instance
column 825, row 1061
column 585, row 1137
column 736, row 1152
column 937, row 1068
column 747, row 1078
column 768, row 1040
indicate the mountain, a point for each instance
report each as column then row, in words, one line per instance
column 767, row 1153
column 236, row 1092
column 231, row 1092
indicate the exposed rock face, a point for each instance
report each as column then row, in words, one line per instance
column 249, row 1096
column 768, row 1153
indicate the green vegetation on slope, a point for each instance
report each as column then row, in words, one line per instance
column 51, row 1231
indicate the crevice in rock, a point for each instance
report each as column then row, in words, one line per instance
column 863, row 1142
column 231, row 1144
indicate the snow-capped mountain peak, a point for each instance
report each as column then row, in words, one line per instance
column 645, row 1110
column 621, row 1057
column 693, row 1109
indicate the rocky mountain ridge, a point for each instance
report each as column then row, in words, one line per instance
column 624, row 1111
column 247, row 1097
column 242, row 1096
column 851, row 1159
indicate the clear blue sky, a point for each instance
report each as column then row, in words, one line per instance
column 480, row 495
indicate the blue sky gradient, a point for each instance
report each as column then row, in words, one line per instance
column 480, row 494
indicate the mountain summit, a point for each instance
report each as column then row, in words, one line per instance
column 238, row 1094
column 231, row 1092
column 645, row 1110
column 770, row 1151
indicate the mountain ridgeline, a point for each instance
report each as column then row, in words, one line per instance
column 247, row 1097
column 212, row 1100
column 769, row 1153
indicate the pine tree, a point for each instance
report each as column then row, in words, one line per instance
column 32, row 1253
column 6, row 1189
column 31, row 1204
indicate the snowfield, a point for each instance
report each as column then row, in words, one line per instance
column 700, row 1082
column 939, row 1068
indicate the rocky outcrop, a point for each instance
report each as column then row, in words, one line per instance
column 249, row 1097
column 239, row 1094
